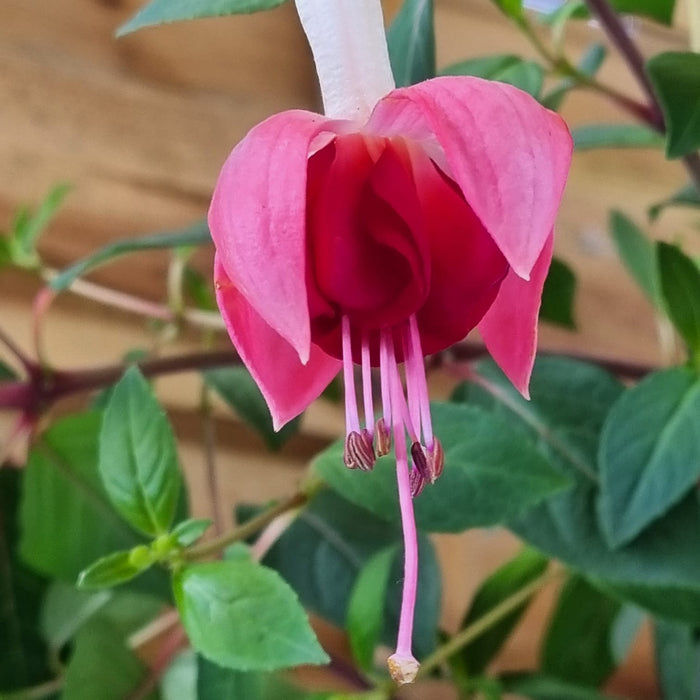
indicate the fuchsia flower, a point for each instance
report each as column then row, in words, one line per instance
column 379, row 233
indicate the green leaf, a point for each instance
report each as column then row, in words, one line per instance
column 239, row 390
column 676, row 80
column 504, row 582
column 66, row 609
column 558, row 295
column 511, row 8
column 242, row 615
column 102, row 665
column 179, row 682
column 479, row 486
column 137, row 456
column 577, row 647
column 366, row 607
column 411, row 43
column 23, row 658
column 189, row 531
column 677, row 653
column 112, row 570
column 649, row 452
column 506, row 68
column 217, row 683
column 659, row 10
column 163, row 11
column 592, row 136
column 194, row 235
column 6, row 373
column 539, row 686
column 637, row 254
column 28, row 229
column 589, row 64
column 199, row 289
column 680, row 284
column 687, row 196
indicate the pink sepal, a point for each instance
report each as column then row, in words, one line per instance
column 257, row 219
column 509, row 327
column 287, row 385
column 508, row 154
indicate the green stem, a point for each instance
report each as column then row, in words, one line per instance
column 248, row 528
column 485, row 622
column 35, row 692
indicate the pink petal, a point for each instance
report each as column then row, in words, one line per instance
column 509, row 155
column 509, row 327
column 257, row 220
column 287, row 385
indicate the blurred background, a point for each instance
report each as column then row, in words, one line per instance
column 140, row 126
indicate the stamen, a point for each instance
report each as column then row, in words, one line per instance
column 402, row 665
column 436, row 460
column 420, row 461
column 417, row 482
column 412, row 386
column 367, row 385
column 415, row 368
column 382, row 438
column 358, row 452
column 352, row 421
column 386, row 350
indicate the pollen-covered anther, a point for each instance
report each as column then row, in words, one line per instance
column 436, row 460
column 416, row 481
column 382, row 438
column 403, row 668
column 358, row 452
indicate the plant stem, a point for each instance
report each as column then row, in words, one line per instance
column 485, row 622
column 10, row 344
column 209, row 439
column 618, row 35
column 247, row 529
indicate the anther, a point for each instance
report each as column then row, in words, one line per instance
column 382, row 438
column 420, row 460
column 403, row 668
column 436, row 460
column 416, row 481
column 358, row 452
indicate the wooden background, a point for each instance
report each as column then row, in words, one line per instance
column 140, row 127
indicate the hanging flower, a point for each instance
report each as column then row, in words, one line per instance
column 379, row 233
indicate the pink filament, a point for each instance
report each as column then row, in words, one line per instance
column 416, row 369
column 352, row 420
column 367, row 386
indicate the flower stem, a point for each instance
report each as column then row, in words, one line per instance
column 247, row 529
column 486, row 621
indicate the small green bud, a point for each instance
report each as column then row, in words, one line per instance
column 141, row 557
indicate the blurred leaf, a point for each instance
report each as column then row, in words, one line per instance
column 592, row 136
column 179, row 682
column 624, row 631
column 637, row 254
column 687, row 197
column 577, row 647
column 479, row 489
column 649, row 453
column 506, row 68
column 137, row 456
column 23, row 658
column 411, row 43
column 676, row 80
column 217, row 683
column 28, row 228
column 507, row 580
column 558, row 295
column 511, row 8
column 102, row 665
column 588, row 65
column 196, row 234
column 6, row 373
column 163, row 11
column 677, row 653
column 366, row 607
column 680, row 284
column 199, row 289
column 658, row 10
column 65, row 610
column 111, row 570
column 242, row 615
column 539, row 686
column 239, row 390
column 189, row 531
